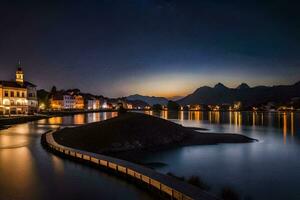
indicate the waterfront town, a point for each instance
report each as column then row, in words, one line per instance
column 149, row 100
column 21, row 97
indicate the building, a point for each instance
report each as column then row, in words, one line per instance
column 66, row 101
column 91, row 103
column 79, row 102
column 57, row 101
column 62, row 101
column 129, row 106
column 106, row 105
column 19, row 96
column 69, row 102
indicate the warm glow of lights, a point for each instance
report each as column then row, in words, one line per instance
column 240, row 118
column 114, row 114
column 56, row 104
column 105, row 105
column 254, row 118
column 197, row 115
column 79, row 102
column 58, row 164
column 236, row 118
column 237, row 105
column 292, row 124
column 165, row 114
column 55, row 120
column 181, row 115
column 79, row 119
column 6, row 102
column 129, row 106
column 284, row 128
column 42, row 106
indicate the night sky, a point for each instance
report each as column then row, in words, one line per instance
column 151, row 47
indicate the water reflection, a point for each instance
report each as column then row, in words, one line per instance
column 54, row 120
column 20, row 167
column 78, row 119
column 282, row 120
column 263, row 170
column 29, row 172
column 58, row 165
column 292, row 123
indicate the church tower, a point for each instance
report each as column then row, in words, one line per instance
column 19, row 74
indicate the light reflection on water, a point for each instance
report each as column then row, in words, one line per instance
column 28, row 172
column 279, row 120
column 268, row 169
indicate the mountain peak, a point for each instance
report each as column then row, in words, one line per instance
column 220, row 86
column 298, row 83
column 243, row 86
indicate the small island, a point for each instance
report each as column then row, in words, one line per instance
column 133, row 132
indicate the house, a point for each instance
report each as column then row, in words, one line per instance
column 62, row 100
column 57, row 101
column 19, row 96
column 68, row 101
column 79, row 102
column 92, row 103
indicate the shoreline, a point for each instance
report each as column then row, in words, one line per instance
column 4, row 121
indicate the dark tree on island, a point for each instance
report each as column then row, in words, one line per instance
column 121, row 110
column 43, row 98
column 53, row 90
column 173, row 105
column 157, row 107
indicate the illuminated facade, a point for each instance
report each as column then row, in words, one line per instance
column 93, row 104
column 79, row 102
column 56, row 104
column 129, row 106
column 18, row 97
column 60, row 101
column 65, row 101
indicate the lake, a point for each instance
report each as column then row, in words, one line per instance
column 268, row 169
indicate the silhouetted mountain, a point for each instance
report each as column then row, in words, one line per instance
column 175, row 98
column 243, row 86
column 221, row 94
column 150, row 100
column 220, row 86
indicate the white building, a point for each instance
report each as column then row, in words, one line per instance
column 92, row 104
column 69, row 102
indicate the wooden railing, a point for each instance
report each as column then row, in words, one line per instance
column 167, row 185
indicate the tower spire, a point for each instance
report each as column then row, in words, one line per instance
column 19, row 73
column 19, row 64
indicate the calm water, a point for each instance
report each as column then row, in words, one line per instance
column 29, row 172
column 269, row 169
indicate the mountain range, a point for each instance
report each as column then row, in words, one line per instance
column 151, row 100
column 249, row 96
